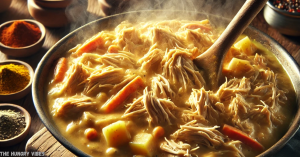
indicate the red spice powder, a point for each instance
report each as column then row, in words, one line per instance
column 20, row 34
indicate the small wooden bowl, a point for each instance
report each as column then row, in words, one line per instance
column 20, row 137
column 50, row 17
column 23, row 92
column 27, row 50
column 53, row 3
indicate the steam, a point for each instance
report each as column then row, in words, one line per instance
column 78, row 14
column 225, row 8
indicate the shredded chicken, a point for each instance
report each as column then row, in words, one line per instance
column 261, row 114
column 158, row 111
column 73, row 105
column 165, row 39
column 102, row 79
column 195, row 38
column 152, row 57
column 268, row 94
column 179, row 148
column 239, row 110
column 76, row 75
column 161, row 87
column 260, row 61
column 129, row 38
column 235, row 85
column 136, row 109
column 239, row 106
column 267, row 89
column 173, row 25
column 122, row 59
column 161, row 111
column 207, row 105
column 89, row 59
column 179, row 68
column 196, row 133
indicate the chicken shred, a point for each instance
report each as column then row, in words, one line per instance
column 180, row 69
column 158, row 111
column 201, row 135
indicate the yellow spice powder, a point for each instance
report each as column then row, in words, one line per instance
column 13, row 78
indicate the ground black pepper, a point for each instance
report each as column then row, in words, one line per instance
column 12, row 123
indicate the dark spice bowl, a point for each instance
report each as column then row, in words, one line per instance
column 24, row 133
column 40, row 83
column 285, row 22
column 23, row 92
column 27, row 50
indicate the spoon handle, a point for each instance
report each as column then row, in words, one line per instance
column 237, row 26
column 211, row 60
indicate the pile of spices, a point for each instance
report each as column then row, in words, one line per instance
column 287, row 5
column 12, row 123
column 13, row 78
column 20, row 34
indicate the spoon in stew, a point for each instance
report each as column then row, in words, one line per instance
column 211, row 60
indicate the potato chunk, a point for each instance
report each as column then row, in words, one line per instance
column 246, row 46
column 116, row 134
column 238, row 68
column 142, row 144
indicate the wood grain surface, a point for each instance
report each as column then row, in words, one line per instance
column 18, row 10
column 44, row 142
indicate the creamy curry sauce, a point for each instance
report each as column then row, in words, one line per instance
column 257, row 98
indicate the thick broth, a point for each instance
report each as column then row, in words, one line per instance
column 168, row 48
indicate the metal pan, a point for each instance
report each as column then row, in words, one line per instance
column 39, row 86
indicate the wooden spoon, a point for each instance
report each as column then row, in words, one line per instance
column 211, row 60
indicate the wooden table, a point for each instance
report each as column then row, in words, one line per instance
column 18, row 10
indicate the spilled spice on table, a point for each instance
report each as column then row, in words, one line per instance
column 13, row 78
column 12, row 123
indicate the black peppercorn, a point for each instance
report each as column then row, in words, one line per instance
column 287, row 5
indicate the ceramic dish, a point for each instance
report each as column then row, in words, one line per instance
column 39, row 88
column 285, row 22
column 26, row 90
column 20, row 137
column 27, row 50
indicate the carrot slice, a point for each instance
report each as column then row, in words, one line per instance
column 237, row 134
column 60, row 69
column 116, row 100
column 195, row 26
column 90, row 45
